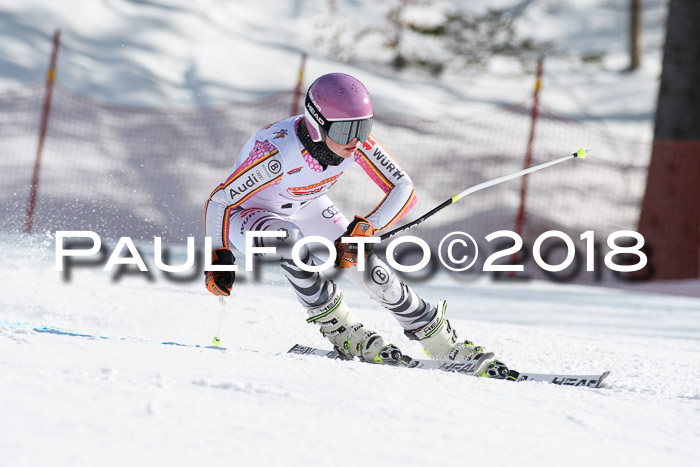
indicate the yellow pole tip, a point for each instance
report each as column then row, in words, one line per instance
column 216, row 341
column 581, row 153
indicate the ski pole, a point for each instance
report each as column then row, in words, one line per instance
column 217, row 338
column 581, row 154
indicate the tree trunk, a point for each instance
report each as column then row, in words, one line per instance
column 670, row 217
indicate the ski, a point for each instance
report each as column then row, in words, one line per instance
column 471, row 367
column 589, row 381
column 467, row 367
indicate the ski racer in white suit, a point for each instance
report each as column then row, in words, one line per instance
column 280, row 183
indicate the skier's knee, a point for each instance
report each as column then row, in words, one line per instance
column 283, row 244
column 381, row 280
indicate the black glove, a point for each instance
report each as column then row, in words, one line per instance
column 220, row 282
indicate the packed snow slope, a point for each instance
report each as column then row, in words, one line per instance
column 121, row 397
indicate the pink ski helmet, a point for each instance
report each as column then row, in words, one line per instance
column 338, row 106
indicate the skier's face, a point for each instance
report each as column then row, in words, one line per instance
column 343, row 150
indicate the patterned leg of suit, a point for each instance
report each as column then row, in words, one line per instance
column 322, row 299
column 311, row 288
column 321, row 217
column 380, row 283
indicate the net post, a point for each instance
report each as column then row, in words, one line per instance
column 520, row 219
column 300, row 83
column 43, row 126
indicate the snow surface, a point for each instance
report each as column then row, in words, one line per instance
column 122, row 398
column 114, row 401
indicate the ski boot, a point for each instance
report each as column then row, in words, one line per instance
column 440, row 342
column 349, row 337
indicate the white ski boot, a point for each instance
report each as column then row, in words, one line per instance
column 349, row 337
column 440, row 342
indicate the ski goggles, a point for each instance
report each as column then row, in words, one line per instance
column 344, row 131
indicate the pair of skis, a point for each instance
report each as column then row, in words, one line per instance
column 471, row 368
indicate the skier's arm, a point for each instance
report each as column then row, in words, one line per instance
column 388, row 175
column 261, row 169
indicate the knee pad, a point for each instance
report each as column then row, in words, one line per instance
column 381, row 280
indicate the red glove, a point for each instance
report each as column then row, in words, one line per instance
column 220, row 282
column 347, row 252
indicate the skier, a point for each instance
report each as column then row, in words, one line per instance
column 280, row 183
